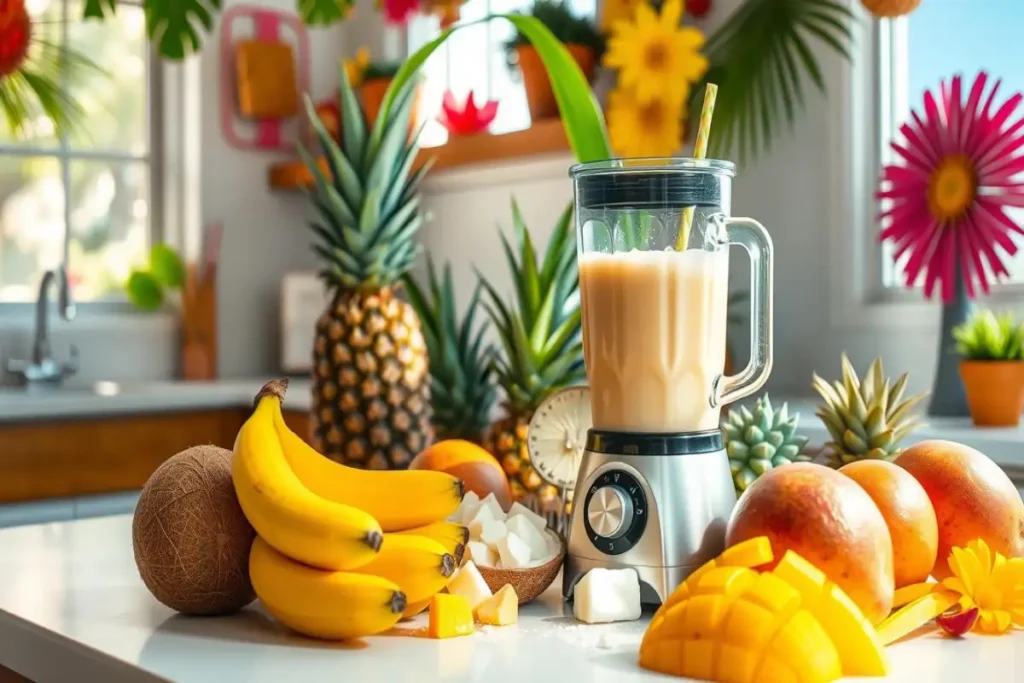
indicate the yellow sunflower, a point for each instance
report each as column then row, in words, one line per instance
column 651, row 129
column 356, row 67
column 614, row 11
column 656, row 56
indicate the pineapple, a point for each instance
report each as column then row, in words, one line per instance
column 371, row 390
column 760, row 440
column 541, row 347
column 865, row 419
column 462, row 390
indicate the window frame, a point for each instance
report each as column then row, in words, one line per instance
column 156, row 98
column 867, row 104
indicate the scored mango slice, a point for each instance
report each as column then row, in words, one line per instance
column 729, row 623
column 860, row 649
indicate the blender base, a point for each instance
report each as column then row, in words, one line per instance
column 656, row 583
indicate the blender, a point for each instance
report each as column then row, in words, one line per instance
column 654, row 491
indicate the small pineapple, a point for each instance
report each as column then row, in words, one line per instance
column 371, row 387
column 865, row 418
column 541, row 347
column 462, row 387
column 761, row 440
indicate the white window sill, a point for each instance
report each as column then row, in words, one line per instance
column 1004, row 445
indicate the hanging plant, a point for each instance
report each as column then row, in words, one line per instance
column 176, row 27
column 890, row 9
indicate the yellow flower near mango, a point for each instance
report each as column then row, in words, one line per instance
column 655, row 56
column 356, row 67
column 613, row 11
column 654, row 129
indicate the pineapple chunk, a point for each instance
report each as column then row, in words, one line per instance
column 501, row 609
column 450, row 616
column 467, row 582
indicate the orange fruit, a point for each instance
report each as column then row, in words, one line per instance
column 972, row 497
column 477, row 468
column 907, row 512
column 827, row 519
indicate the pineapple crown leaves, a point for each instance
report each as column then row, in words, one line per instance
column 368, row 205
column 462, row 389
column 867, row 419
column 990, row 336
column 764, row 435
column 540, row 336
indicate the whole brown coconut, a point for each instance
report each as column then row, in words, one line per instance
column 827, row 519
column 972, row 496
column 190, row 537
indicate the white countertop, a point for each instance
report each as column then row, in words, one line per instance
column 102, row 399
column 72, row 608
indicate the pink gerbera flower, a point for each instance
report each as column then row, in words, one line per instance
column 959, row 170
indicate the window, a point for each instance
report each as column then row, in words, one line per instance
column 935, row 42
column 87, row 195
column 456, row 65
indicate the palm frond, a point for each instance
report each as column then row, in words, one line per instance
column 761, row 58
column 98, row 9
column 176, row 27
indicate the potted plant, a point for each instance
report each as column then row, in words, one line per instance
column 580, row 36
column 991, row 349
column 371, row 79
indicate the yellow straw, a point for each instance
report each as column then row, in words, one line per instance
column 700, row 150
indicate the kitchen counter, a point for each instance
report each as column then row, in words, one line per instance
column 72, row 608
column 102, row 399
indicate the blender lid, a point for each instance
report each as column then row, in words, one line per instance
column 652, row 184
column 627, row 443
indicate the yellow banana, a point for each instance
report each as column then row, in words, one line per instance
column 293, row 520
column 451, row 535
column 323, row 604
column 397, row 499
column 419, row 565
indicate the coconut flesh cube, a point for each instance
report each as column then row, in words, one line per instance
column 607, row 595
column 467, row 582
column 497, row 512
column 476, row 525
column 521, row 527
column 513, row 552
column 481, row 554
column 492, row 531
column 518, row 509
column 467, row 508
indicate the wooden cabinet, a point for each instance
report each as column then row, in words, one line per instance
column 74, row 457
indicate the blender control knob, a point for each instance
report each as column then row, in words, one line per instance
column 610, row 512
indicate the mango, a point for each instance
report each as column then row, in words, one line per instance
column 450, row 616
column 732, row 624
column 501, row 609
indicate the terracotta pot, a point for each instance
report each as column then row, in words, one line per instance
column 373, row 92
column 995, row 391
column 539, row 97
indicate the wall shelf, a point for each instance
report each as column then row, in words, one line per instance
column 542, row 138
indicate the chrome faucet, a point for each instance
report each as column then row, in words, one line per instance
column 43, row 368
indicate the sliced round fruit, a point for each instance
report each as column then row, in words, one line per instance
column 558, row 435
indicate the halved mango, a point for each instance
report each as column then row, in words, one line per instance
column 914, row 615
column 856, row 640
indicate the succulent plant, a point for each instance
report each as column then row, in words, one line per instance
column 990, row 336
column 866, row 418
column 759, row 440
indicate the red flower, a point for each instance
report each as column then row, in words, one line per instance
column 399, row 12
column 468, row 119
column 960, row 168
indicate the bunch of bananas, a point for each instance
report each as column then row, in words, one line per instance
column 340, row 552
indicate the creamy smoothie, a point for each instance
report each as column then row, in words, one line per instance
column 654, row 337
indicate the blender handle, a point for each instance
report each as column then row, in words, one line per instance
column 752, row 236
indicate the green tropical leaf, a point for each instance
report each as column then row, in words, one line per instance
column 176, row 27
column 580, row 112
column 144, row 291
column 98, row 9
column 323, row 12
column 166, row 267
column 761, row 58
